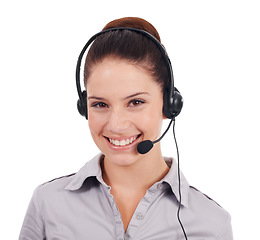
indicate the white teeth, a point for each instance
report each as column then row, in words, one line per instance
column 122, row 142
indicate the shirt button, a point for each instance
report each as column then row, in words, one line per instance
column 159, row 186
column 139, row 216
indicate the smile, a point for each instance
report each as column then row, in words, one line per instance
column 122, row 142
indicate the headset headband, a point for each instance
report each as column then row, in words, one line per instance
column 173, row 101
column 150, row 36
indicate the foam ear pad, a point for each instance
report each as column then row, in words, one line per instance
column 82, row 105
column 172, row 105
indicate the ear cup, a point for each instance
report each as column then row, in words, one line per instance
column 172, row 105
column 82, row 105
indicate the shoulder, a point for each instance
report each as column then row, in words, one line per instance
column 52, row 187
column 209, row 213
column 67, row 184
column 205, row 205
column 199, row 197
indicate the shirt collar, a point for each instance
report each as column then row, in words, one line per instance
column 93, row 169
column 172, row 179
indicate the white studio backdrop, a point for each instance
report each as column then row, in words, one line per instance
column 214, row 49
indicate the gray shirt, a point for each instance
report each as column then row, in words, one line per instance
column 81, row 207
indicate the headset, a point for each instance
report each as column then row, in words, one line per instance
column 172, row 99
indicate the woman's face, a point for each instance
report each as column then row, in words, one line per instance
column 124, row 108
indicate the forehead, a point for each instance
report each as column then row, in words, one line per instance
column 115, row 76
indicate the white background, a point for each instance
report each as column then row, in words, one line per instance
column 214, row 49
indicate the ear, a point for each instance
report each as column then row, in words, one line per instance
column 164, row 117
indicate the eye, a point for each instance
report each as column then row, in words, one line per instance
column 135, row 102
column 99, row 105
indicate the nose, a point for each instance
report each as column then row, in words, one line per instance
column 117, row 122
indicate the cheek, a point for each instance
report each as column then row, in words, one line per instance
column 95, row 124
column 150, row 121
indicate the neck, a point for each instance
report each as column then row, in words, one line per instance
column 139, row 176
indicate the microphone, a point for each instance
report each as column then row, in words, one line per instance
column 146, row 145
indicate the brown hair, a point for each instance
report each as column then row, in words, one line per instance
column 129, row 46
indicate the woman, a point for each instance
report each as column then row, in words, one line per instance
column 120, row 193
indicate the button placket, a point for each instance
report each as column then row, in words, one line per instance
column 139, row 216
column 119, row 227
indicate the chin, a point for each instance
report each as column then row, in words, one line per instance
column 122, row 159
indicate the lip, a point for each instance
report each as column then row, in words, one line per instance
column 122, row 148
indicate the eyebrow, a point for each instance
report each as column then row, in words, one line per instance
column 135, row 94
column 130, row 96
